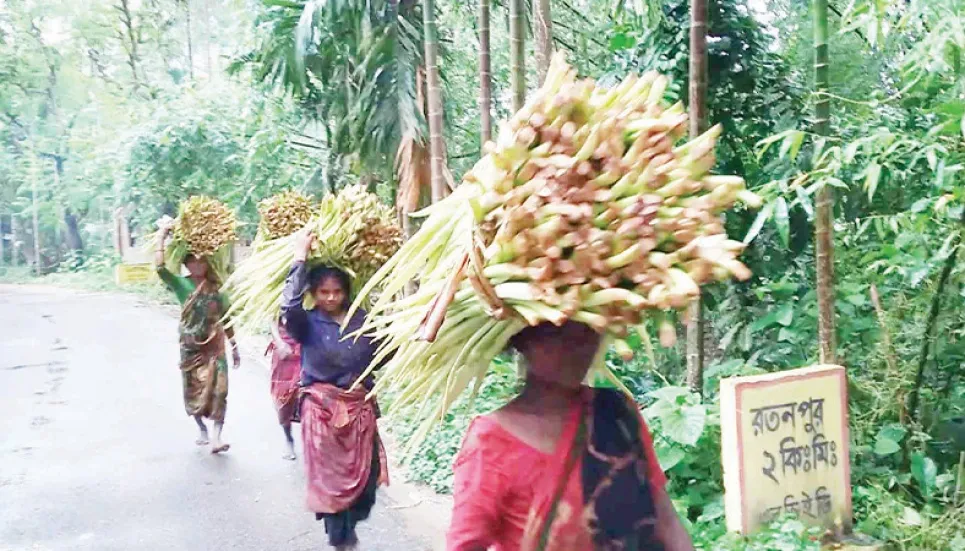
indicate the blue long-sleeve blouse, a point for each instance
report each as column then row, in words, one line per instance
column 327, row 356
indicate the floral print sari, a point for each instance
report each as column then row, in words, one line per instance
column 201, row 336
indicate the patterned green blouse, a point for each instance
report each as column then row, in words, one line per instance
column 201, row 314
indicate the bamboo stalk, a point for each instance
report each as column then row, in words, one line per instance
column 437, row 148
column 485, row 75
column 517, row 53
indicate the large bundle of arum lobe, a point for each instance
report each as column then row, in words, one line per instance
column 205, row 228
column 583, row 209
column 378, row 235
column 354, row 231
column 206, row 225
column 284, row 214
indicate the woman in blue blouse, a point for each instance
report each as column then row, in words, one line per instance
column 344, row 458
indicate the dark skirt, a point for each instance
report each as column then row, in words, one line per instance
column 340, row 526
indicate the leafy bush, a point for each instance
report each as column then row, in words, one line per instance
column 16, row 274
column 686, row 437
column 784, row 534
column 937, row 525
column 431, row 462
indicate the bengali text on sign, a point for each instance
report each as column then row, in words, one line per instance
column 785, row 447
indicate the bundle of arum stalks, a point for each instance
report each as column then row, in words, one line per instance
column 284, row 214
column 583, row 209
column 378, row 236
column 205, row 228
column 354, row 231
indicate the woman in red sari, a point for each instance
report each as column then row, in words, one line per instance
column 563, row 466
column 285, row 374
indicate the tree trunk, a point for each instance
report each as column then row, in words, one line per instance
column 210, row 60
column 929, row 336
column 122, row 232
column 824, row 239
column 437, row 151
column 891, row 357
column 187, row 21
column 27, row 247
column 408, row 229
column 132, row 57
column 698, row 123
column 15, row 240
column 3, row 242
column 34, row 176
column 485, row 76
column 74, row 241
column 543, row 36
column 517, row 51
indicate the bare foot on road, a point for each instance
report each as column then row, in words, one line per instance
column 289, row 452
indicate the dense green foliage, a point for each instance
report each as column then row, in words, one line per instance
column 136, row 105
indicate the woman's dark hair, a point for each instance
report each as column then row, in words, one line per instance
column 547, row 330
column 319, row 274
column 518, row 341
column 210, row 275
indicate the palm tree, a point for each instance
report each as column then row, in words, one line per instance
column 517, row 51
column 824, row 240
column 698, row 123
column 412, row 169
column 354, row 66
column 485, row 75
column 543, row 36
column 437, row 151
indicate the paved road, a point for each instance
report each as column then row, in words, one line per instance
column 97, row 454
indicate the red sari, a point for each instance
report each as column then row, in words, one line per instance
column 285, row 375
column 510, row 496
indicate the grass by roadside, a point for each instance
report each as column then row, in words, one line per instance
column 99, row 278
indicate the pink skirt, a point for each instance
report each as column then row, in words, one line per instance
column 340, row 436
column 285, row 375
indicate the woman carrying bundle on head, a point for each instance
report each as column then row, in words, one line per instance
column 285, row 376
column 344, row 458
column 563, row 466
column 583, row 221
column 201, row 336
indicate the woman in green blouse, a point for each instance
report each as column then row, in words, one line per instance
column 201, row 335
